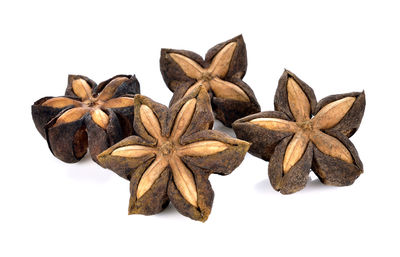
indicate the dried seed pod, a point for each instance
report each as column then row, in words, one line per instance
column 88, row 116
column 173, row 155
column 221, row 73
column 303, row 134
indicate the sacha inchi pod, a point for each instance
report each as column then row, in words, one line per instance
column 172, row 156
column 302, row 134
column 221, row 73
column 89, row 116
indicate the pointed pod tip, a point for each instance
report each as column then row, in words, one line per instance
column 240, row 37
column 202, row 90
column 138, row 99
column 101, row 159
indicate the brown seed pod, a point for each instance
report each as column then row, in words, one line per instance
column 173, row 155
column 221, row 73
column 88, row 116
column 302, row 134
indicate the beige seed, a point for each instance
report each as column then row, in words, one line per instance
column 71, row 115
column 152, row 173
column 190, row 67
column 60, row 102
column 332, row 113
column 150, row 122
column 184, row 180
column 110, row 88
column 298, row 101
column 294, row 151
column 220, row 63
column 133, row 151
column 202, row 148
column 331, row 146
column 183, row 119
column 276, row 124
column 228, row 90
column 82, row 89
column 100, row 118
column 118, row 102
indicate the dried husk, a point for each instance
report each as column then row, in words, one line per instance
column 329, row 152
column 96, row 129
column 185, row 125
column 226, row 110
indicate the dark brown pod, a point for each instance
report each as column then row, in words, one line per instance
column 221, row 73
column 303, row 134
column 89, row 116
column 172, row 156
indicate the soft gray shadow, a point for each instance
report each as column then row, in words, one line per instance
column 313, row 185
column 170, row 211
column 86, row 159
column 264, row 187
column 87, row 170
column 317, row 185
column 220, row 127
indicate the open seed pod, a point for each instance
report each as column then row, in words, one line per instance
column 302, row 134
column 172, row 155
column 221, row 73
column 88, row 116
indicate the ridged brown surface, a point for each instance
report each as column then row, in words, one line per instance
column 221, row 73
column 172, row 155
column 302, row 134
column 89, row 116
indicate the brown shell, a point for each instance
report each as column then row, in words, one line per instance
column 226, row 110
column 155, row 131
column 69, row 142
column 271, row 144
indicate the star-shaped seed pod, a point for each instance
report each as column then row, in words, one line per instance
column 172, row 156
column 303, row 134
column 221, row 73
column 88, row 116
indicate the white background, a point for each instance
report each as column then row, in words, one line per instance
column 50, row 208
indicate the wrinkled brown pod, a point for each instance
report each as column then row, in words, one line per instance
column 88, row 116
column 302, row 134
column 173, row 155
column 221, row 73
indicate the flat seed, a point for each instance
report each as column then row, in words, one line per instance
column 183, row 119
column 331, row 146
column 276, row 124
column 71, row 115
column 60, row 102
column 81, row 88
column 184, row 180
column 220, row 63
column 228, row 90
column 294, row 151
column 332, row 113
column 100, row 118
column 152, row 173
column 110, row 88
column 133, row 151
column 190, row 67
column 150, row 122
column 298, row 101
column 203, row 148
column 119, row 102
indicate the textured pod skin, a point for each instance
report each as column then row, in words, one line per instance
column 331, row 165
column 70, row 140
column 226, row 110
column 170, row 139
